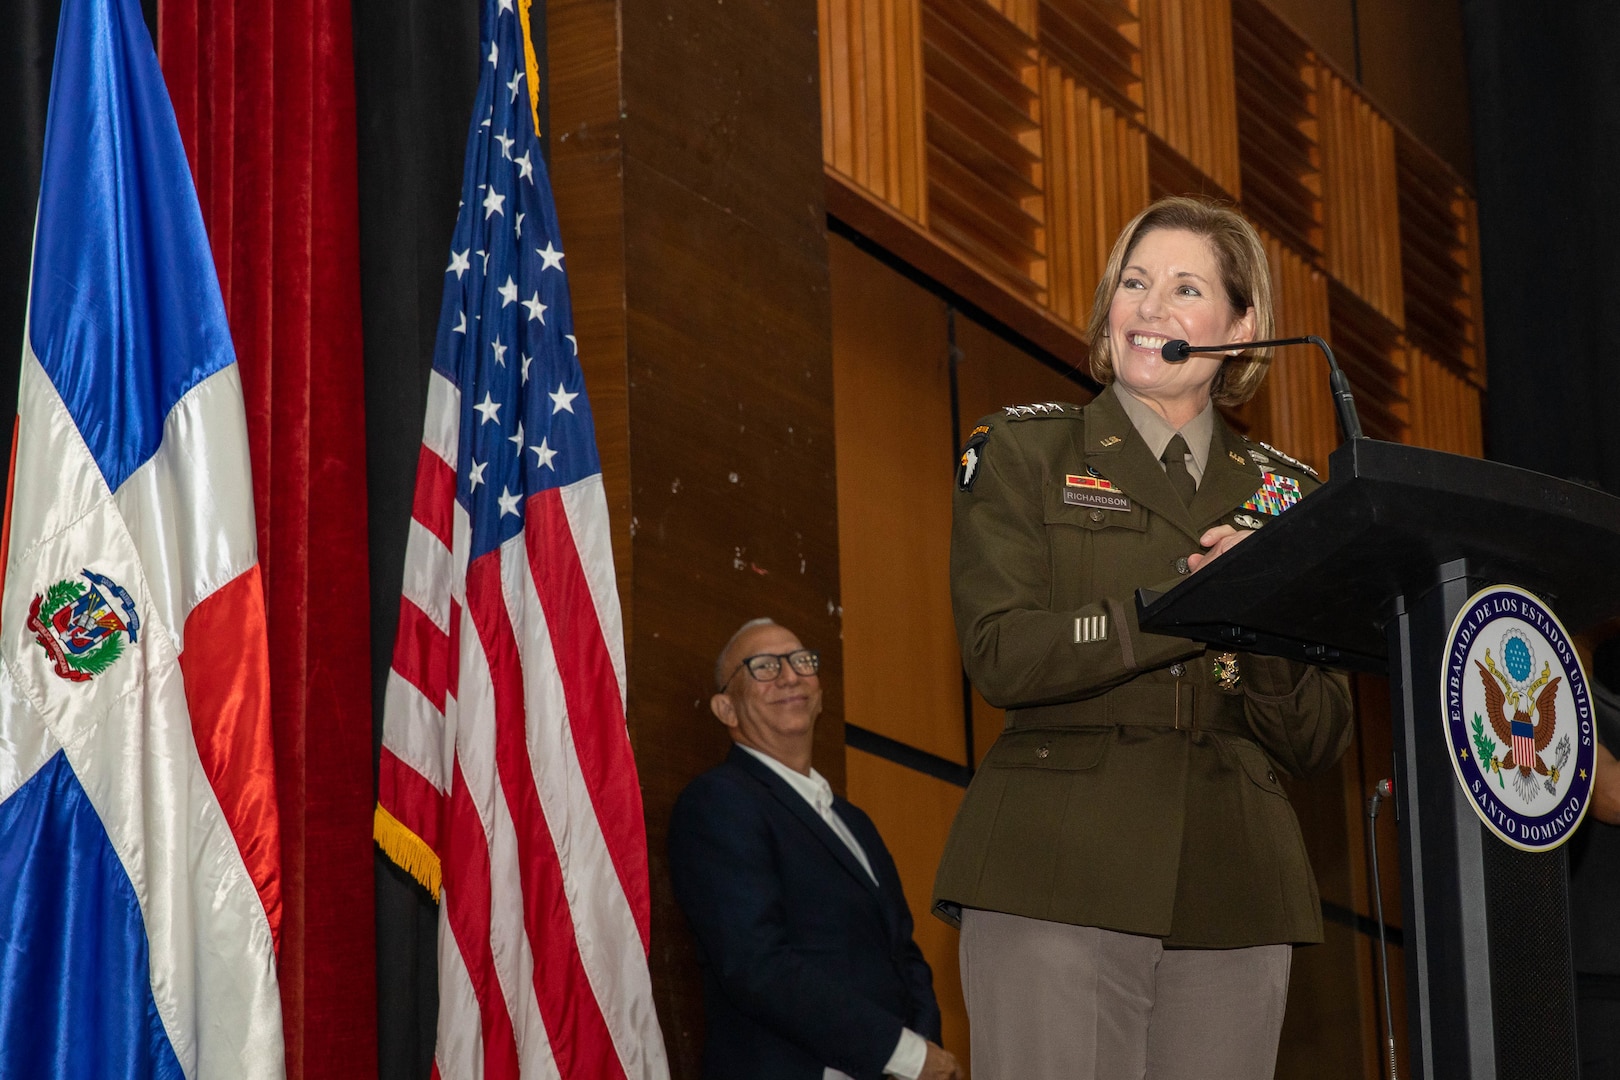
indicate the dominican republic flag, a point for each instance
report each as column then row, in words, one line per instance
column 139, row 849
column 506, row 784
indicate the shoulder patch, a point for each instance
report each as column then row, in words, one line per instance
column 967, row 467
column 1286, row 459
column 1040, row 410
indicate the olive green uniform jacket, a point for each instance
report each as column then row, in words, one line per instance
column 1129, row 790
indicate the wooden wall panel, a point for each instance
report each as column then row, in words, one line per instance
column 1439, row 261
column 1096, row 181
column 1360, row 201
column 871, row 94
column 1294, row 408
column 913, row 812
column 1446, row 411
column 1190, row 93
column 1370, row 351
column 1099, row 41
column 1277, row 129
column 985, row 175
column 895, row 449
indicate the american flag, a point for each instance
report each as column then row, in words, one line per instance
column 506, row 783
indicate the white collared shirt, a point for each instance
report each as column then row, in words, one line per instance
column 912, row 1050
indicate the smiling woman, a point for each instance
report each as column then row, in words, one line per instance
column 1127, row 872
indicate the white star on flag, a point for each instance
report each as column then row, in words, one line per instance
column 517, row 78
column 509, row 502
column 543, row 455
column 518, row 438
column 475, row 475
column 537, row 310
column 525, row 166
column 490, row 410
column 500, row 353
column 561, row 400
column 553, row 258
column 508, row 291
column 459, row 263
column 506, row 145
column 492, row 205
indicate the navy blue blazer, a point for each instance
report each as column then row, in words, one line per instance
column 806, row 963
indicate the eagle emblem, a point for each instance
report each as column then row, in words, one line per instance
column 1518, row 718
column 1530, row 730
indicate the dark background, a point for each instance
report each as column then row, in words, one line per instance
column 1545, row 101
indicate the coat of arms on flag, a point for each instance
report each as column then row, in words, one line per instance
column 83, row 624
column 1519, row 718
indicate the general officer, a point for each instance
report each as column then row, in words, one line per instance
column 1127, row 872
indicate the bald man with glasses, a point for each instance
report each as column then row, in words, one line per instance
column 809, row 970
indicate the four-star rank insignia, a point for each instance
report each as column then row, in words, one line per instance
column 1276, row 494
column 967, row 467
column 81, row 625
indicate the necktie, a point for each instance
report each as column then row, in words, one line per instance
column 1175, row 467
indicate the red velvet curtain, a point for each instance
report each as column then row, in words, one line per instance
column 264, row 93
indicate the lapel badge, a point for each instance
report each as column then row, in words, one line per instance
column 1275, row 494
column 1237, row 457
column 1112, row 440
column 1247, row 521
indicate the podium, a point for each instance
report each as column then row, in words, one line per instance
column 1367, row 574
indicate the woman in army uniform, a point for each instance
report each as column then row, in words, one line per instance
column 1126, row 869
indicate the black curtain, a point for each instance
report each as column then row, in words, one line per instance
column 1545, row 93
column 416, row 72
column 25, row 85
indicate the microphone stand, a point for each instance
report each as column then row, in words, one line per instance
column 1177, row 352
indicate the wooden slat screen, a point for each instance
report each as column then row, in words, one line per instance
column 1361, row 226
column 1437, row 259
column 871, row 98
column 1100, row 43
column 1369, row 349
column 1097, row 178
column 1299, row 414
column 1446, row 406
column 1190, row 94
column 1277, row 129
column 985, row 180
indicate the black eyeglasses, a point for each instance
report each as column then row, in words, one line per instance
column 767, row 667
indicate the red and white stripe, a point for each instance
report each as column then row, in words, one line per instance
column 505, row 750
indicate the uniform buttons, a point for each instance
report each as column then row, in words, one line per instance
column 1043, row 751
column 1181, row 565
column 1096, row 515
column 1178, row 670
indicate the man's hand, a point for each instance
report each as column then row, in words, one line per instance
column 1220, row 539
column 1606, row 787
column 940, row 1064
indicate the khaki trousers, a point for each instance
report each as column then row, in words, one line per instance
column 1048, row 1001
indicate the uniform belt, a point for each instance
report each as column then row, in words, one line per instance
column 1179, row 705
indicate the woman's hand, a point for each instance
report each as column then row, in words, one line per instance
column 1220, row 539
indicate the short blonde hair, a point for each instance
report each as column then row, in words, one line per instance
column 1245, row 274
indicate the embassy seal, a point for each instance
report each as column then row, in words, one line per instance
column 1518, row 716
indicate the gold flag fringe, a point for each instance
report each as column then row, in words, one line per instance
column 407, row 850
